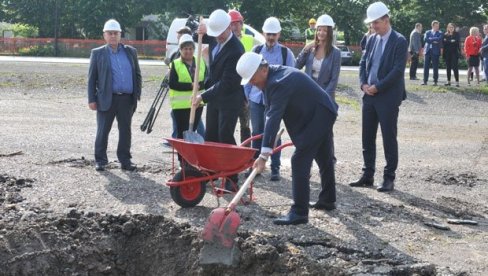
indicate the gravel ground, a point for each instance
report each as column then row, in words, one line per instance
column 58, row 216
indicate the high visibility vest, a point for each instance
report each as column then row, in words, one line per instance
column 182, row 99
column 247, row 41
column 309, row 35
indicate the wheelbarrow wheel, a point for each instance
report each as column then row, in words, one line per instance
column 188, row 195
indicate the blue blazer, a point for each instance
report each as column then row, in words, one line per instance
column 329, row 70
column 100, row 77
column 223, row 85
column 391, row 72
column 298, row 100
column 434, row 40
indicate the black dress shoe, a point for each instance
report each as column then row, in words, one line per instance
column 327, row 206
column 99, row 167
column 129, row 167
column 291, row 219
column 386, row 186
column 275, row 175
column 363, row 182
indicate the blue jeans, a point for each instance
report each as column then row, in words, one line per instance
column 258, row 119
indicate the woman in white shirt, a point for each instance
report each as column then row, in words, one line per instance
column 322, row 60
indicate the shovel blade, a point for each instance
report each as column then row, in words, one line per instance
column 213, row 253
column 218, row 235
column 193, row 137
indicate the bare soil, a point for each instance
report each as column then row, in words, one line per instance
column 58, row 216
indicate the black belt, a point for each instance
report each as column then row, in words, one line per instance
column 121, row 94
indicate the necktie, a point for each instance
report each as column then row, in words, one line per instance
column 378, row 52
column 216, row 50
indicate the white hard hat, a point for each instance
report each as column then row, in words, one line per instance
column 375, row 11
column 247, row 66
column 272, row 25
column 112, row 25
column 217, row 22
column 185, row 38
column 325, row 20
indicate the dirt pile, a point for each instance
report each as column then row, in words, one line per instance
column 34, row 240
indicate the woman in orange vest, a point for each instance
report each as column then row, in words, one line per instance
column 472, row 46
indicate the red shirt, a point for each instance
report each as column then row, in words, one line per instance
column 472, row 45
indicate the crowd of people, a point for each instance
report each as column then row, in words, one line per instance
column 436, row 43
column 265, row 84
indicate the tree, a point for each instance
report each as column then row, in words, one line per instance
column 77, row 18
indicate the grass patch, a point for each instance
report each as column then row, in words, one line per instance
column 474, row 88
column 344, row 87
column 7, row 84
column 342, row 100
column 349, row 74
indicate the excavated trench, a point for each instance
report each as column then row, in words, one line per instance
column 35, row 241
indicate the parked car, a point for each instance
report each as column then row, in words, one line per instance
column 346, row 54
column 177, row 23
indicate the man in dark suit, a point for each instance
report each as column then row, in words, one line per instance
column 224, row 95
column 309, row 115
column 114, row 87
column 433, row 51
column 381, row 72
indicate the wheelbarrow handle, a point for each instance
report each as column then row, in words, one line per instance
column 260, row 136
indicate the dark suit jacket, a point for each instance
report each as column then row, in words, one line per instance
column 297, row 99
column 223, row 85
column 434, row 39
column 100, row 77
column 391, row 72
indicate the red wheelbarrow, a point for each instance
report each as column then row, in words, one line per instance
column 210, row 163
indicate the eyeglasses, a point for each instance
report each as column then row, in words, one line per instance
column 268, row 34
column 112, row 33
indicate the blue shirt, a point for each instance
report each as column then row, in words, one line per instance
column 273, row 56
column 121, row 71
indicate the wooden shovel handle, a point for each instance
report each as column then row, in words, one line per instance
column 196, row 77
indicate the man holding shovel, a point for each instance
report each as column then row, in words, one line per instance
column 309, row 115
column 223, row 94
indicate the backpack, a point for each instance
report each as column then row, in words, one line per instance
column 284, row 52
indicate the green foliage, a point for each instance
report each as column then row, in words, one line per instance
column 24, row 30
column 85, row 18
column 37, row 50
column 356, row 57
column 77, row 18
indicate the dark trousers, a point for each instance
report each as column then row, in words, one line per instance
column 244, row 123
column 221, row 124
column 122, row 109
column 387, row 117
column 434, row 59
column 452, row 64
column 182, row 119
column 414, row 63
column 321, row 150
column 258, row 119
